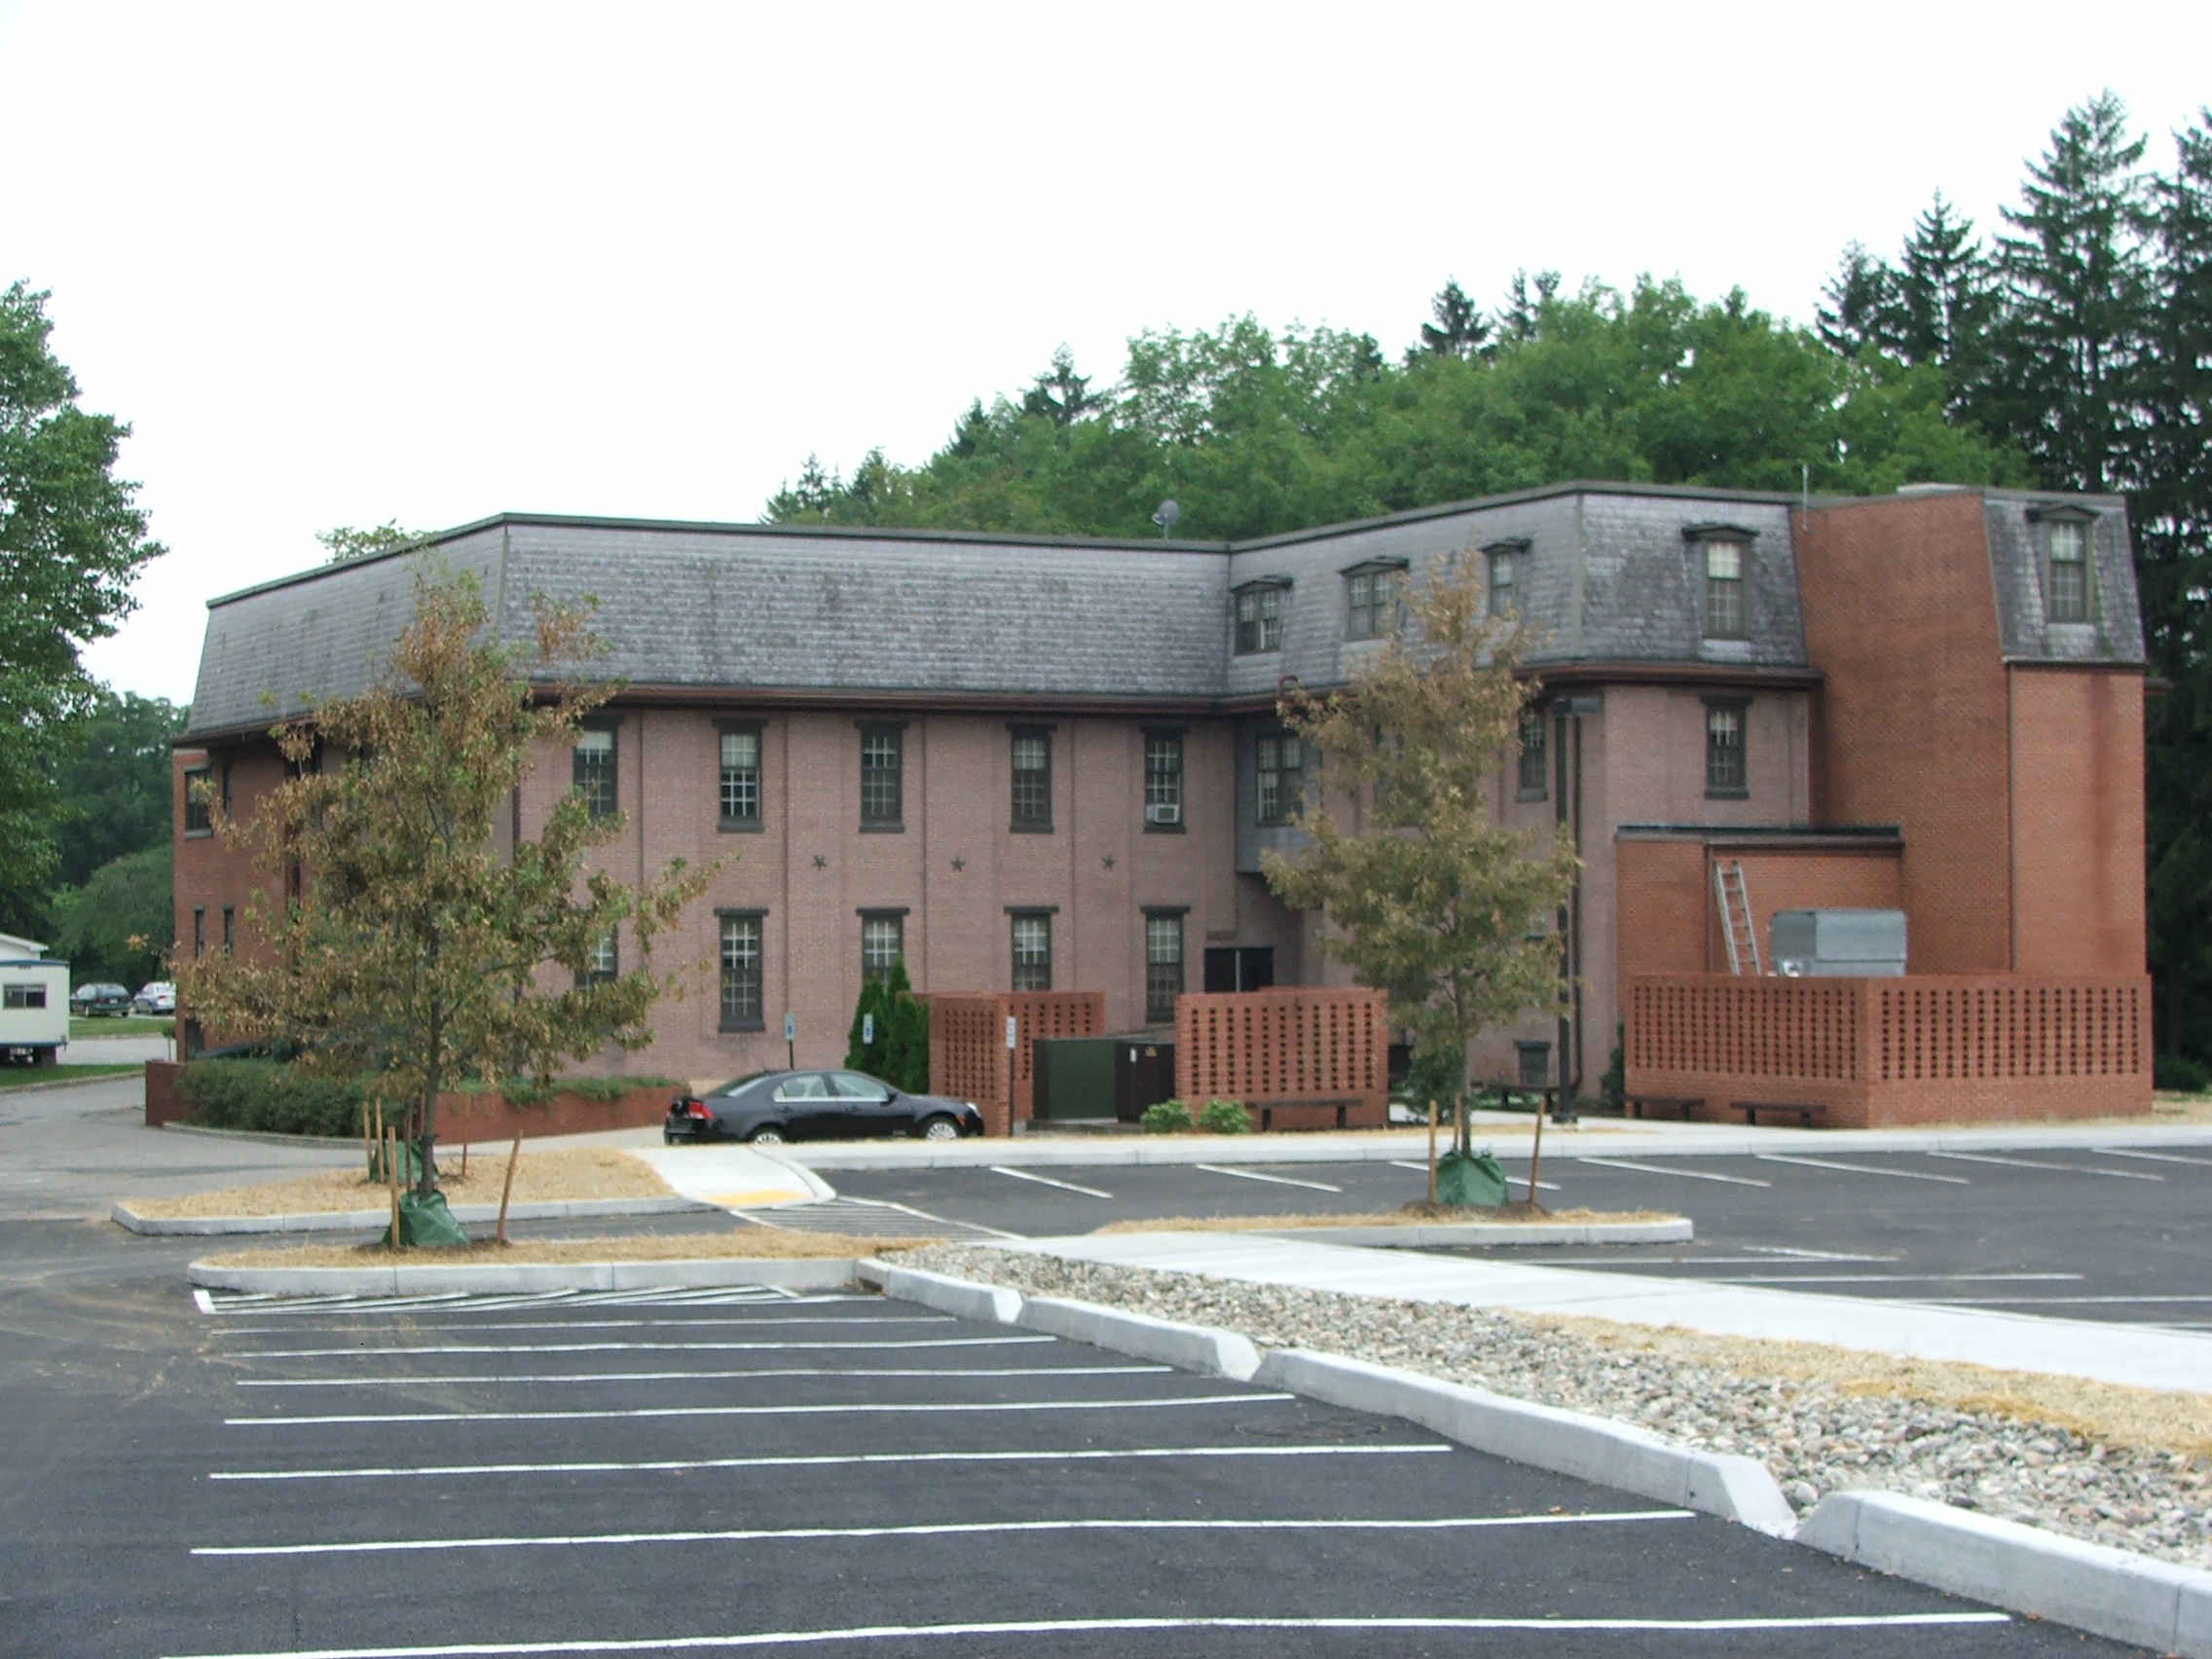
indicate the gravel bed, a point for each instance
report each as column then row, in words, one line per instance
column 1813, row 1436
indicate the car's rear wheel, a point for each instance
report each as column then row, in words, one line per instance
column 941, row 1129
column 767, row 1135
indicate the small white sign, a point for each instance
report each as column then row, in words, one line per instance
column 868, row 1028
column 791, row 1027
column 1009, row 1025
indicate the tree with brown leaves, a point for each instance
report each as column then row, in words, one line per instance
column 399, row 942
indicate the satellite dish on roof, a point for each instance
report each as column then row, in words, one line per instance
column 1166, row 514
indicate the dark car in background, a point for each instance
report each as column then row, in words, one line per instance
column 771, row 1107
column 89, row 1000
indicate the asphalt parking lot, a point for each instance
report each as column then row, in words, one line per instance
column 659, row 1473
column 2085, row 1235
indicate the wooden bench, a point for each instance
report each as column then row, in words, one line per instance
column 1681, row 1104
column 1342, row 1103
column 1753, row 1108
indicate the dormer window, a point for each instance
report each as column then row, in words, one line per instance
column 1372, row 598
column 1507, row 565
column 1259, row 617
column 2066, row 571
column 1723, row 590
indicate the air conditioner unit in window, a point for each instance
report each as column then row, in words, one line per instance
column 1168, row 812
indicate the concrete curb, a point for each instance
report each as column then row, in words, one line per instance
column 829, row 1272
column 1610, row 1137
column 350, row 1145
column 1589, row 1448
column 362, row 1221
column 66, row 1081
column 2108, row 1591
column 1189, row 1348
column 1678, row 1231
column 987, row 1303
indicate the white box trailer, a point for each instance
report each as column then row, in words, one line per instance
column 34, row 1007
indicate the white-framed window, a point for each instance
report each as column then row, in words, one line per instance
column 593, row 774
column 1278, row 774
column 1372, row 599
column 2066, row 570
column 1533, row 781
column 1162, row 966
column 603, row 965
column 1032, row 952
column 882, row 761
column 1162, row 780
column 1725, row 773
column 883, row 941
column 1723, row 590
column 1504, row 581
column 1259, row 620
column 740, row 793
column 741, row 972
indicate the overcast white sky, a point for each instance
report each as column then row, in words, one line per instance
column 343, row 263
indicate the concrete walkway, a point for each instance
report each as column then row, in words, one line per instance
column 733, row 1177
column 2147, row 1356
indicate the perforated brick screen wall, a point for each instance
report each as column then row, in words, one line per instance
column 968, row 1056
column 1302, row 1051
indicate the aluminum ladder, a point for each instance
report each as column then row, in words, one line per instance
column 1736, row 928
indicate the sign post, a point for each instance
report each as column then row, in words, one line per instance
column 1011, row 1028
column 790, row 1039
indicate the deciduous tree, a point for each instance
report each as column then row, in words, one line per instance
column 398, row 940
column 1430, row 898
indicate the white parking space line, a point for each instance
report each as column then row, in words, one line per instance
column 1896, row 1278
column 1809, row 1255
column 1661, row 1169
column 2153, row 1157
column 862, row 1408
column 2062, row 1301
column 2032, row 1163
column 1085, row 1455
column 528, row 1379
column 973, row 1629
column 1860, row 1168
column 629, row 1325
column 1047, row 1181
column 1278, row 1180
column 632, row 1347
column 1516, row 1180
column 952, row 1529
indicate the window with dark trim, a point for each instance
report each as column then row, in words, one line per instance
column 883, row 750
column 1373, row 595
column 741, row 983
column 199, row 818
column 1163, row 965
column 1031, row 810
column 883, row 941
column 1163, row 780
column 223, row 789
column 1031, row 934
column 603, row 966
column 1278, row 767
column 1259, row 619
column 739, row 786
column 1508, row 565
column 1725, row 773
column 24, row 996
column 593, row 771
column 1533, row 782
column 2066, row 570
column 230, row 929
column 1724, row 589
column 199, row 929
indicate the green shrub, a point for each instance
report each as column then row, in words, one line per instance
column 1438, row 1078
column 1168, row 1118
column 1224, row 1118
column 2180, row 1073
column 269, row 1096
column 536, row 1094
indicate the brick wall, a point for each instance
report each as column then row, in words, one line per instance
column 1912, row 729
column 2078, row 821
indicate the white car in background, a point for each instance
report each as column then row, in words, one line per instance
column 155, row 996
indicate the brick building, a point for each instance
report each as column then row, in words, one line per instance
column 1024, row 762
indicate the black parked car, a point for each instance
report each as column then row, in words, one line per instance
column 89, row 1000
column 771, row 1107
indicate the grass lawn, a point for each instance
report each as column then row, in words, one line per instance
column 128, row 1025
column 15, row 1077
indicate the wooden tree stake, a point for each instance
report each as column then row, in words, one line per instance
column 507, row 1187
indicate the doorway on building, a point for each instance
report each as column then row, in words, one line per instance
column 1241, row 968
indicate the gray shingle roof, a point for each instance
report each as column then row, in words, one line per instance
column 1607, row 577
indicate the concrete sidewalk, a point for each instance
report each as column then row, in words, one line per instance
column 733, row 1177
column 2146, row 1356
